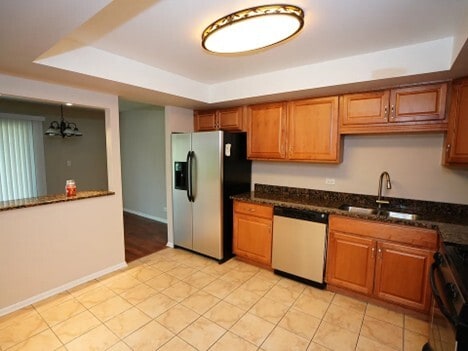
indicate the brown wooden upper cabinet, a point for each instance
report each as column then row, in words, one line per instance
column 313, row 130
column 230, row 119
column 301, row 130
column 266, row 138
column 410, row 109
column 456, row 141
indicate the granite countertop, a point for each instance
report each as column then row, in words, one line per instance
column 450, row 220
column 50, row 199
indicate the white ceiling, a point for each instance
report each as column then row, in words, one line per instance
column 149, row 50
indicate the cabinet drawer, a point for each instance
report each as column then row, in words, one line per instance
column 264, row 211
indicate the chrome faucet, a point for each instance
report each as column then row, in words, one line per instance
column 389, row 186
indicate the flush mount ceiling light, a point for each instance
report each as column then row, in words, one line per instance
column 253, row 28
column 62, row 128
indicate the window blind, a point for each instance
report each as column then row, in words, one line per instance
column 21, row 175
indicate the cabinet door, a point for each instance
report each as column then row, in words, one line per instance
column 313, row 130
column 266, row 137
column 421, row 103
column 350, row 262
column 252, row 238
column 364, row 108
column 230, row 119
column 456, row 142
column 205, row 121
column 402, row 274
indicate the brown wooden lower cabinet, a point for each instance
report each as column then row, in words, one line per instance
column 402, row 275
column 252, row 237
column 350, row 262
column 380, row 260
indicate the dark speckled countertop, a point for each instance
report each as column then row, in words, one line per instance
column 451, row 220
column 50, row 199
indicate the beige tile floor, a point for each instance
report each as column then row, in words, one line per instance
column 175, row 300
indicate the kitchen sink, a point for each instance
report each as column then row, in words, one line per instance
column 356, row 209
column 379, row 212
column 400, row 215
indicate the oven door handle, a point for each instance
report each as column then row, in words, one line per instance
column 452, row 318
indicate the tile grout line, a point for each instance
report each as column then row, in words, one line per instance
column 362, row 324
column 318, row 327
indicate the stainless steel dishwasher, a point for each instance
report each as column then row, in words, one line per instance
column 299, row 244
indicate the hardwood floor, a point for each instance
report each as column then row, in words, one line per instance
column 143, row 236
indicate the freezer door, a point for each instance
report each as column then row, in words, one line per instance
column 207, row 193
column 181, row 207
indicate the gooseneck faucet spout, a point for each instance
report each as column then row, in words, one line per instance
column 389, row 186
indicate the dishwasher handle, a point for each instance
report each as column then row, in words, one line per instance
column 306, row 215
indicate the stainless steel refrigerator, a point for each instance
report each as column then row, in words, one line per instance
column 207, row 168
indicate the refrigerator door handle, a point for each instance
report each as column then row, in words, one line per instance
column 189, row 176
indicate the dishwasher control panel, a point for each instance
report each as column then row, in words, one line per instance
column 307, row 215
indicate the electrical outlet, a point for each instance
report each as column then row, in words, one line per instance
column 330, row 181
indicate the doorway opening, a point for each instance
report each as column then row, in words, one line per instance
column 143, row 160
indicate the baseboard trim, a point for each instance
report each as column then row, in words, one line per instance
column 59, row 289
column 141, row 214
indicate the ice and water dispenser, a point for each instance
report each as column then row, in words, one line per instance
column 180, row 175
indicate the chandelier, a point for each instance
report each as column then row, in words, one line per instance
column 62, row 128
column 253, row 28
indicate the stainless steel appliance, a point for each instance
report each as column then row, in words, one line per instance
column 208, row 167
column 449, row 283
column 299, row 244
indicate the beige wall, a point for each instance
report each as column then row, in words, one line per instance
column 49, row 248
column 413, row 161
column 45, row 249
column 142, row 139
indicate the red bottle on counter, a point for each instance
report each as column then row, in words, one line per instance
column 70, row 188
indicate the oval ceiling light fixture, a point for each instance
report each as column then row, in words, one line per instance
column 253, row 28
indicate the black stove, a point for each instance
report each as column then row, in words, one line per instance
column 449, row 283
column 457, row 257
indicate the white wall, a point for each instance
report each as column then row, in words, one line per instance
column 49, row 248
column 177, row 120
column 142, row 139
column 413, row 161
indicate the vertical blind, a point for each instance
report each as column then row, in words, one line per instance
column 18, row 159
